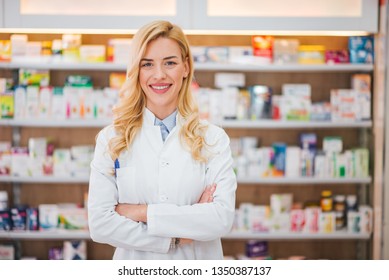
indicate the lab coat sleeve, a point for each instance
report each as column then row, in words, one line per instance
column 205, row 221
column 105, row 224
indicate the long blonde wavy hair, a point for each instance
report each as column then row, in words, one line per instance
column 128, row 114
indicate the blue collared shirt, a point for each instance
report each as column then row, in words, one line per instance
column 169, row 122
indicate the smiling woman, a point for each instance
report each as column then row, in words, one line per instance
column 162, row 184
column 162, row 71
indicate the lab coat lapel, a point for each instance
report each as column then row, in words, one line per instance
column 154, row 138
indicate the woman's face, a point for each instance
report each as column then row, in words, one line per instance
column 161, row 74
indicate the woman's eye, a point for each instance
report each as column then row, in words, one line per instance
column 171, row 63
column 146, row 64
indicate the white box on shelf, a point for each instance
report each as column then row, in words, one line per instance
column 223, row 80
column 48, row 216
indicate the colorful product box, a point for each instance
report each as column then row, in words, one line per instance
column 312, row 215
column 327, row 222
column 344, row 105
column 74, row 250
column 118, row 50
column 361, row 83
column 260, row 218
column 295, row 103
column 263, row 47
column 32, row 218
column 285, row 51
column 311, row 54
column 7, row 252
column 116, row 80
column 217, row 54
column 73, row 218
column 261, row 100
column 361, row 49
column 5, row 50
column 5, row 220
column 92, row 53
column 297, row 220
column 19, row 218
column 18, row 161
column 337, row 56
column 7, row 105
column 34, row 77
column 279, row 159
column 281, row 203
column 48, row 216
column 71, row 47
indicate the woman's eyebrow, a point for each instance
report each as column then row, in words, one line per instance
column 170, row 57
column 165, row 58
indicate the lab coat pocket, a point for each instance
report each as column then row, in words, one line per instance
column 125, row 181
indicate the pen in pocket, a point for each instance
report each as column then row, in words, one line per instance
column 117, row 165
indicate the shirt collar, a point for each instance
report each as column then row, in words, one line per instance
column 169, row 121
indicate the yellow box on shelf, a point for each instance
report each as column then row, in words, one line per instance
column 311, row 54
column 92, row 53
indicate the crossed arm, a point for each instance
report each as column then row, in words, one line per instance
column 138, row 212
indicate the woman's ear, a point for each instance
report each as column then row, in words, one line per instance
column 186, row 70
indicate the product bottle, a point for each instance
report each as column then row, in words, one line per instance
column 340, row 211
column 326, row 201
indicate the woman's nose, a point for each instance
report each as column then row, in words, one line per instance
column 159, row 72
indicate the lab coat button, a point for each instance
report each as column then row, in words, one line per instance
column 163, row 198
column 164, row 163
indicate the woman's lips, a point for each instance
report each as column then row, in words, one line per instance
column 160, row 89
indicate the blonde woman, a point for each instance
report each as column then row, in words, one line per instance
column 162, row 184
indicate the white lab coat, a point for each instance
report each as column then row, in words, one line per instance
column 164, row 176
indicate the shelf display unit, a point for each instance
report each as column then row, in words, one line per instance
column 321, row 77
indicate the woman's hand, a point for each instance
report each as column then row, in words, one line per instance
column 138, row 212
column 207, row 195
column 135, row 212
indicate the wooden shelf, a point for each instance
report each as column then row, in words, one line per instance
column 297, row 236
column 258, row 124
column 52, row 235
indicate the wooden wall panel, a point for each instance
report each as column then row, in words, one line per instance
column 319, row 249
column 40, row 249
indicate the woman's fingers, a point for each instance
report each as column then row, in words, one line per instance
column 184, row 241
column 207, row 195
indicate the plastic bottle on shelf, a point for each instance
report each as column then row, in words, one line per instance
column 326, row 201
column 340, row 211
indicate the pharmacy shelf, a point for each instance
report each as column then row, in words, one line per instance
column 81, row 123
column 45, row 179
column 346, row 67
column 58, row 64
column 247, row 124
column 303, row 180
column 54, row 235
column 264, row 181
column 274, row 124
column 82, row 234
column 297, row 236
